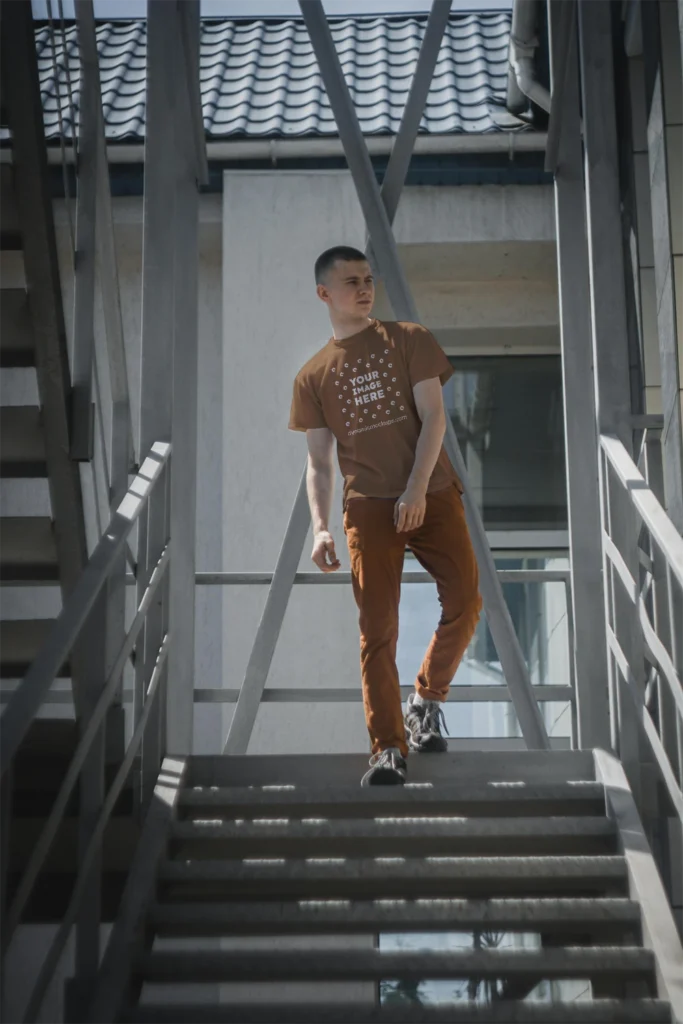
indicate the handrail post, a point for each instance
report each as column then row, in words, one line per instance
column 189, row 154
column 87, row 950
column 609, row 328
column 587, row 597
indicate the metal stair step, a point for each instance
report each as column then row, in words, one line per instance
column 20, row 641
column 466, row 768
column 395, row 878
column 599, row 1011
column 16, row 339
column 487, row 800
column 592, row 916
column 27, row 549
column 420, row 837
column 579, row 962
column 22, row 445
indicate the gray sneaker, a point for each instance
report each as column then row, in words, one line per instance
column 423, row 726
column 388, row 768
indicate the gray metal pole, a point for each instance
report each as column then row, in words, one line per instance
column 156, row 371
column 610, row 340
column 565, row 37
column 384, row 245
column 608, row 296
column 82, row 420
column 581, row 436
column 180, row 683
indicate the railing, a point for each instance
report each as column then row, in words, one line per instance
column 149, row 486
column 484, row 693
column 644, row 585
column 266, row 639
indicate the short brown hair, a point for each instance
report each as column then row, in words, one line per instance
column 327, row 259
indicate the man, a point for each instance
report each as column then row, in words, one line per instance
column 376, row 387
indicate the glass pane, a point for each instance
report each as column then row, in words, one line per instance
column 507, row 414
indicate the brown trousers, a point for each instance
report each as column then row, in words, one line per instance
column 442, row 546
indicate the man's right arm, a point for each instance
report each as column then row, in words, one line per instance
column 320, row 489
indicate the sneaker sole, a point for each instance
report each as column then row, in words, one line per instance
column 434, row 745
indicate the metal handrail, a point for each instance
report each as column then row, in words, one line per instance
column 28, row 697
column 667, row 546
column 30, row 694
column 93, row 846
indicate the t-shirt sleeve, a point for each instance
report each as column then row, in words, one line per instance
column 306, row 412
column 425, row 357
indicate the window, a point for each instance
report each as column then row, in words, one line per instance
column 508, row 417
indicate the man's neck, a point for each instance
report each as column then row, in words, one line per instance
column 348, row 327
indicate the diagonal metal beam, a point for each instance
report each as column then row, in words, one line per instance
column 270, row 625
column 404, row 143
column 384, row 245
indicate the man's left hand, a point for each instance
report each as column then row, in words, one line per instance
column 409, row 510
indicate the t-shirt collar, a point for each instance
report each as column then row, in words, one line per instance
column 355, row 337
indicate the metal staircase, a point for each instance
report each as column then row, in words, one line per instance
column 43, row 539
column 280, row 874
column 269, row 854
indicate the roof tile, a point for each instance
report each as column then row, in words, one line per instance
column 260, row 78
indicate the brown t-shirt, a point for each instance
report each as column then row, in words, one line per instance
column 361, row 388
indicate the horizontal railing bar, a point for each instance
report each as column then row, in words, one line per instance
column 28, row 697
column 349, row 694
column 660, row 527
column 49, row 831
column 213, row 579
column 80, row 886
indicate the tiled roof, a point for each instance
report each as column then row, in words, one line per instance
column 260, row 78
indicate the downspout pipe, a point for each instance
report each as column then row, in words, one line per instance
column 521, row 80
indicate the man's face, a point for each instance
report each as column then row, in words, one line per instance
column 349, row 288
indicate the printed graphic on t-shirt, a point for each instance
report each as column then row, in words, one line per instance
column 355, row 387
column 370, row 392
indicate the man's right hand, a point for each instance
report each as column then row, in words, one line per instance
column 323, row 549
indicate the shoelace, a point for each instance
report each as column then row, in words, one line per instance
column 434, row 717
column 383, row 756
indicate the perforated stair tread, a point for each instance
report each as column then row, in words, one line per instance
column 20, row 641
column 419, row 836
column 307, row 917
column 16, row 339
column 28, row 550
column 22, row 444
column 601, row 1011
column 487, row 799
column 389, row 877
column 373, row 964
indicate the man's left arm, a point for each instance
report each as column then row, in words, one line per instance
column 409, row 511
